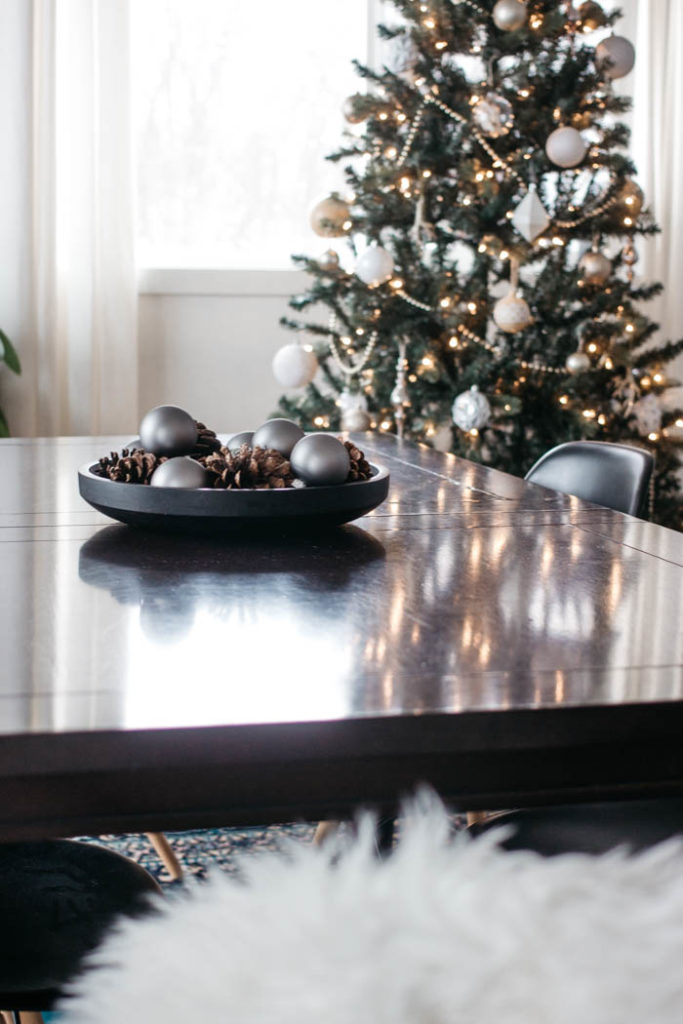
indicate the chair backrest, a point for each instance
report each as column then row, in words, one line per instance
column 614, row 475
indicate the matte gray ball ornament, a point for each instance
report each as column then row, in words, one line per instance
column 279, row 434
column 320, row 460
column 168, row 430
column 181, row 471
column 237, row 440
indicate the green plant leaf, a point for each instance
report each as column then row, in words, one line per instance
column 4, row 425
column 9, row 354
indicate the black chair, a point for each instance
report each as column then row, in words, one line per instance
column 615, row 475
column 57, row 899
column 589, row 828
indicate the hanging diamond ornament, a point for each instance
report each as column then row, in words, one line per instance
column 493, row 115
column 648, row 414
column 530, row 217
column 471, row 410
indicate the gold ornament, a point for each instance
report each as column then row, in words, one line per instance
column 352, row 108
column 581, row 120
column 631, row 198
column 594, row 267
column 331, row 218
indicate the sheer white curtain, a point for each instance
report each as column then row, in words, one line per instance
column 656, row 85
column 74, row 310
column 83, row 237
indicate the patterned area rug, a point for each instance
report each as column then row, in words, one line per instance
column 201, row 852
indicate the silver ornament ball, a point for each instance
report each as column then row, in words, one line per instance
column 471, row 410
column 237, row 440
column 168, row 430
column 565, row 147
column 509, row 15
column 615, row 56
column 294, row 366
column 329, row 260
column 594, row 267
column 320, row 460
column 578, row 362
column 280, row 434
column 181, row 471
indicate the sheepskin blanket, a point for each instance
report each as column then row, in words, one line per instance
column 446, row 930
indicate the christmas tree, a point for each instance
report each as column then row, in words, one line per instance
column 483, row 278
column 8, row 357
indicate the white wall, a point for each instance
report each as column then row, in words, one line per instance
column 206, row 341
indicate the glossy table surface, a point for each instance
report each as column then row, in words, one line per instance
column 503, row 642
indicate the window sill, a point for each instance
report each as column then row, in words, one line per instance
column 217, row 282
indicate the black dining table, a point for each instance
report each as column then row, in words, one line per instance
column 500, row 642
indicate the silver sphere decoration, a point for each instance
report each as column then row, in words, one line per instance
column 493, row 115
column 594, row 267
column 578, row 362
column 294, row 366
column 237, row 440
column 509, row 15
column 471, row 410
column 320, row 460
column 565, row 147
column 181, row 471
column 329, row 261
column 279, row 434
column 615, row 56
column 168, row 430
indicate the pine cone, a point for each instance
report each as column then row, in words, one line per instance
column 258, row 468
column 360, row 467
column 207, row 442
column 134, row 466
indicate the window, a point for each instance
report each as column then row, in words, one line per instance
column 235, row 107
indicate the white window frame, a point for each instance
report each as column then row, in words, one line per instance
column 242, row 282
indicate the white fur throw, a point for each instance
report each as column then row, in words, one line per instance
column 442, row 932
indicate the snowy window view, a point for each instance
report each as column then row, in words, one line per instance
column 235, row 107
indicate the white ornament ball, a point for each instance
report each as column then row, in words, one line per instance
column 331, row 218
column 355, row 419
column 374, row 266
column 512, row 314
column 168, row 430
column 320, row 460
column 509, row 15
column 615, row 56
column 578, row 362
column 565, row 147
column 493, row 115
column 594, row 267
column 181, row 471
column 294, row 366
column 471, row 410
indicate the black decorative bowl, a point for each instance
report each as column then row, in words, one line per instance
column 222, row 512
